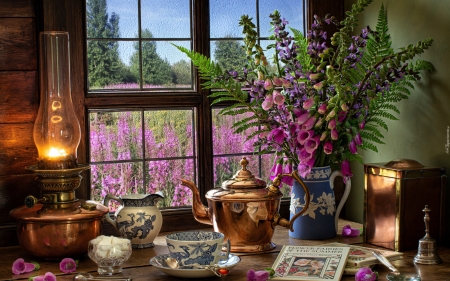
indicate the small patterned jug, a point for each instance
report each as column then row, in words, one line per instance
column 138, row 218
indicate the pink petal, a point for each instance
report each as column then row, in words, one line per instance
column 261, row 275
column 18, row 266
column 67, row 265
column 348, row 231
column 29, row 267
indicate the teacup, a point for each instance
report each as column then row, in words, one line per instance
column 201, row 247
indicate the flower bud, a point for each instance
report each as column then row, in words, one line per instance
column 318, row 86
column 309, row 123
column 324, row 136
column 319, row 122
column 303, row 118
column 307, row 104
column 334, row 134
column 267, row 103
column 358, row 139
column 344, row 107
column 260, row 75
column 331, row 115
column 332, row 124
column 352, row 147
column 322, row 108
column 268, row 84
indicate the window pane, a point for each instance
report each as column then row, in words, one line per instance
column 170, row 68
column 115, row 136
column 225, row 16
column 117, row 179
column 229, row 54
column 225, row 141
column 169, row 133
column 166, row 19
column 165, row 175
column 292, row 11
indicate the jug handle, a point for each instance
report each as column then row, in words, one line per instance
column 348, row 186
column 106, row 203
column 282, row 221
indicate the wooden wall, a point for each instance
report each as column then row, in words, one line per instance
column 18, row 108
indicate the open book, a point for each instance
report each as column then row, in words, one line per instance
column 310, row 263
column 362, row 256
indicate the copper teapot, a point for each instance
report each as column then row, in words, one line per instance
column 244, row 209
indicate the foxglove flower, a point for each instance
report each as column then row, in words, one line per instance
column 358, row 139
column 304, row 168
column 268, row 84
column 309, row 123
column 303, row 118
column 308, row 103
column 277, row 135
column 267, row 103
column 322, row 108
column 304, row 155
column 334, row 134
column 260, row 275
column 287, row 170
column 328, row 147
column 278, row 98
column 277, row 81
column 311, row 144
column 68, row 265
column 332, row 124
column 352, row 147
column 46, row 277
column 365, row 274
column 346, row 171
column 20, row 266
column 348, row 231
column 303, row 135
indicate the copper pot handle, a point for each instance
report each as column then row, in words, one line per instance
column 275, row 188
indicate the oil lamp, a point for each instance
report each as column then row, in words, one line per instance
column 57, row 225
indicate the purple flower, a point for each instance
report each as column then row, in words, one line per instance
column 348, row 231
column 304, row 168
column 309, row 123
column 332, row 124
column 304, row 155
column 277, row 135
column 358, row 139
column 365, row 274
column 361, row 126
column 303, row 135
column 334, row 134
column 322, row 108
column 278, row 98
column 260, row 275
column 67, row 265
column 341, row 116
column 308, row 103
column 268, row 84
column 311, row 144
column 346, row 171
column 20, row 266
column 46, row 277
column 352, row 147
column 303, row 118
column 276, row 170
column 328, row 147
column 267, row 103
column 287, row 170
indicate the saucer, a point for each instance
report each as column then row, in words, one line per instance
column 159, row 262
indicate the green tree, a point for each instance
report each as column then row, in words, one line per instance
column 155, row 70
column 181, row 72
column 230, row 55
column 104, row 64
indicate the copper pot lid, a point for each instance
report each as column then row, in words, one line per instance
column 244, row 179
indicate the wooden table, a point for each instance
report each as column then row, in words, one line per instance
column 138, row 268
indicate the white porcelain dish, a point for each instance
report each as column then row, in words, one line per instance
column 159, row 262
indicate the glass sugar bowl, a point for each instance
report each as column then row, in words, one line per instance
column 109, row 253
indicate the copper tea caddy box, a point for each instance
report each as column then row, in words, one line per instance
column 394, row 196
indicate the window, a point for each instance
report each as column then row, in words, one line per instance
column 150, row 122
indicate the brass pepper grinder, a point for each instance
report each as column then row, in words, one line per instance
column 427, row 252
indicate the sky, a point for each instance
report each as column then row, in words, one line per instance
column 170, row 19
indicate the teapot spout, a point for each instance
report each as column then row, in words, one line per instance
column 200, row 211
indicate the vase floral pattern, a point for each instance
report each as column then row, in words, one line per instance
column 320, row 219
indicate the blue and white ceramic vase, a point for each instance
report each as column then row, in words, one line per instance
column 320, row 221
column 138, row 218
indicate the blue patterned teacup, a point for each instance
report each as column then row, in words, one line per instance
column 201, row 247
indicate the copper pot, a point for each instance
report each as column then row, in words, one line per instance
column 245, row 210
column 55, row 231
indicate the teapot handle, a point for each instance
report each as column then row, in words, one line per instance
column 108, row 218
column 275, row 188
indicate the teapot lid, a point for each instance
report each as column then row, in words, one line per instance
column 244, row 179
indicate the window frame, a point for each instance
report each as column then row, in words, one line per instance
column 69, row 15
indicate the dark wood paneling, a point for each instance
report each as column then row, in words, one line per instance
column 17, row 149
column 18, row 96
column 17, row 8
column 13, row 190
column 8, row 235
column 18, row 44
column 323, row 7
